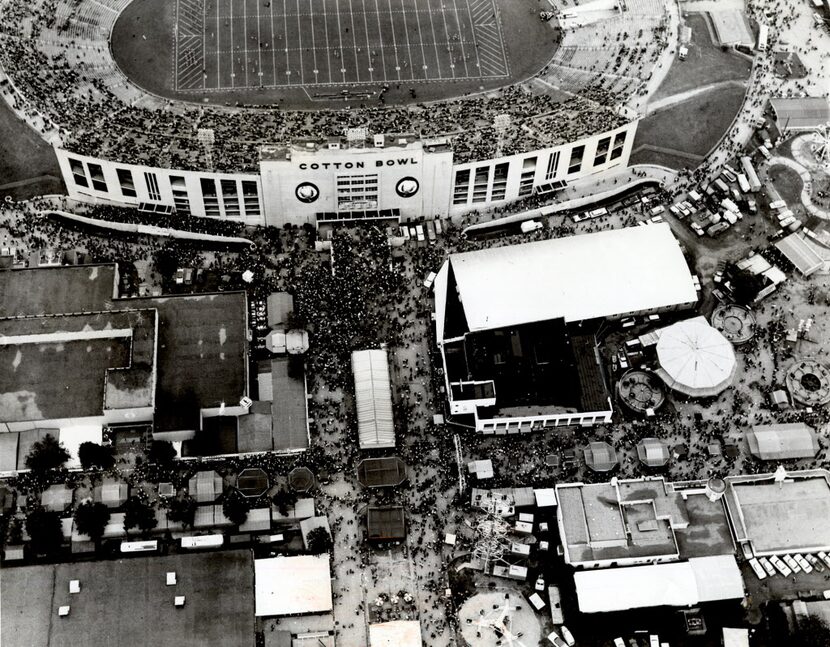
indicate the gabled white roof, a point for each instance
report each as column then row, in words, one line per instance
column 581, row 277
column 677, row 584
column 373, row 397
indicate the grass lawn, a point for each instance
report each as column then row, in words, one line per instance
column 324, row 56
column 788, row 183
column 707, row 63
column 24, row 156
column 661, row 158
column 693, row 127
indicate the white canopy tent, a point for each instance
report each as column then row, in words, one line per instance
column 373, row 395
column 695, row 359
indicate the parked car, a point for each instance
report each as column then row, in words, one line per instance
column 758, row 569
column 554, row 638
column 815, row 563
column 803, row 563
column 567, row 635
column 767, row 566
column 780, row 566
column 789, row 561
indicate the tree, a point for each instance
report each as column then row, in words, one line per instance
column 138, row 514
column 44, row 528
column 95, row 455
column 161, row 453
column 284, row 499
column 183, row 510
column 236, row 507
column 15, row 531
column 46, row 454
column 746, row 286
column 318, row 541
column 811, row 632
column 91, row 518
column 166, row 262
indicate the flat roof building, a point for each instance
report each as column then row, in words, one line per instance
column 128, row 602
column 775, row 515
column 800, row 113
column 385, row 523
column 85, row 358
column 639, row 521
column 516, row 325
column 387, row 471
column 297, row 584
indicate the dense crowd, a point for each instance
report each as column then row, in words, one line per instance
column 67, row 87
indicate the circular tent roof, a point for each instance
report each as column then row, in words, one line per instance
column 695, row 359
column 653, row 452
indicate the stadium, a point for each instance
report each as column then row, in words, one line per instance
column 276, row 113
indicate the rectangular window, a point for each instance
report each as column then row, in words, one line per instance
column 357, row 192
column 619, row 144
column 230, row 198
column 528, row 174
column 482, row 178
column 210, row 197
column 181, row 200
column 250, row 196
column 152, row 183
column 553, row 166
column 500, row 181
column 78, row 172
column 462, row 187
column 601, row 155
column 575, row 165
column 96, row 173
column 125, row 179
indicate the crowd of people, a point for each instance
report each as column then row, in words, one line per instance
column 93, row 117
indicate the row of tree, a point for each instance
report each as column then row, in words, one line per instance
column 49, row 453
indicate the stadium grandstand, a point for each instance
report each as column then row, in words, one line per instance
column 118, row 142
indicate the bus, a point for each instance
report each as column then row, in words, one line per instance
column 203, row 541
column 763, row 36
column 149, row 546
column 751, row 175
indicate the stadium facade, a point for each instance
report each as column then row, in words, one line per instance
column 398, row 177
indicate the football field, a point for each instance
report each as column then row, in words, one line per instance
column 228, row 44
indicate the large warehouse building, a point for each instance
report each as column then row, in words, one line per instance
column 516, row 325
column 81, row 359
column 389, row 177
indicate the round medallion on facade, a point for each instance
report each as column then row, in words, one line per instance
column 407, row 187
column 307, row 192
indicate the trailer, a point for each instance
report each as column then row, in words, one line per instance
column 721, row 186
column 751, row 175
column 763, row 37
